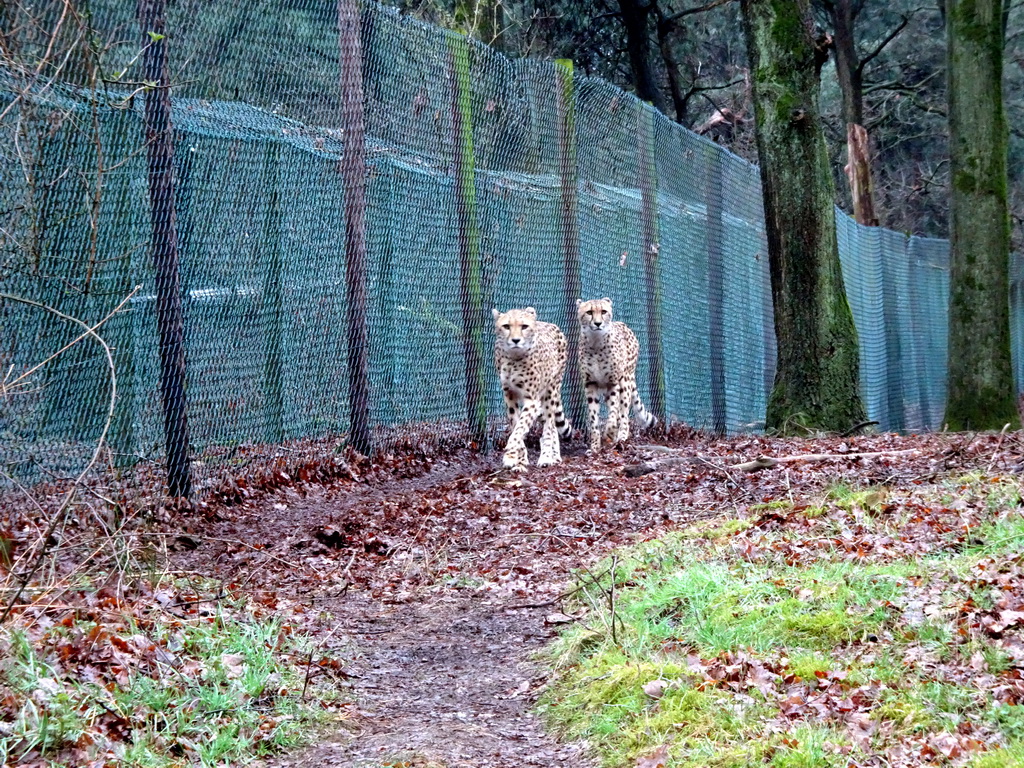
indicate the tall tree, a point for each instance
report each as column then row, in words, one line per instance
column 850, row 65
column 981, row 393
column 636, row 16
column 816, row 381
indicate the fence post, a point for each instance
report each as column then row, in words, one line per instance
column 893, row 343
column 353, row 172
column 568, row 171
column 714, row 206
column 170, row 322
column 122, row 433
column 470, row 283
column 273, row 399
column 651, row 245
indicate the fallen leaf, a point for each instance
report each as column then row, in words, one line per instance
column 558, row 618
column 656, row 688
column 234, row 664
column 657, row 759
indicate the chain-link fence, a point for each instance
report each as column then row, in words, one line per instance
column 489, row 182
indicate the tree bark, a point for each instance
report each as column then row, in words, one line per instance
column 858, row 171
column 848, row 69
column 353, row 171
column 666, row 29
column 635, row 15
column 850, row 75
column 816, row 381
column 981, row 390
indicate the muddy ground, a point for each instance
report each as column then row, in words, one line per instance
column 432, row 583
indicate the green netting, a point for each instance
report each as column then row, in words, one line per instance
column 593, row 180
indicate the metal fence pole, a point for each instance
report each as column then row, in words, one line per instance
column 170, row 322
column 353, row 171
column 714, row 205
column 273, row 397
column 470, row 282
column 651, row 245
column 568, row 171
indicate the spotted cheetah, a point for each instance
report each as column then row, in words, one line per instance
column 530, row 357
column 608, row 356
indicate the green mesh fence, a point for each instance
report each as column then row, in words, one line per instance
column 490, row 182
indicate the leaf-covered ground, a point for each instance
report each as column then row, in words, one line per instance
column 878, row 626
column 430, row 583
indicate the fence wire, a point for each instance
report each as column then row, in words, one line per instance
column 490, row 182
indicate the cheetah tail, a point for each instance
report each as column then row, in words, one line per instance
column 645, row 417
column 565, row 430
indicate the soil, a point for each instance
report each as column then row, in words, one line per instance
column 435, row 581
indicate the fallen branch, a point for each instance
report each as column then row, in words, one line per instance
column 761, row 462
column 767, row 462
column 647, row 467
column 858, row 427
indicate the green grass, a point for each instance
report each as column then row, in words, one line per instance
column 210, row 690
column 877, row 627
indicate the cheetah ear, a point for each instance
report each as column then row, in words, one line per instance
column 607, row 299
column 532, row 312
column 495, row 313
column 579, row 303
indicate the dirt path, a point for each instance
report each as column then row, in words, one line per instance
column 416, row 571
column 445, row 682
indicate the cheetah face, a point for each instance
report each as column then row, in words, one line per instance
column 515, row 330
column 595, row 316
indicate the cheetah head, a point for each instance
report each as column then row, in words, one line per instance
column 595, row 316
column 515, row 329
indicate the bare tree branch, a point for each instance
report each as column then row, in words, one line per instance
column 881, row 46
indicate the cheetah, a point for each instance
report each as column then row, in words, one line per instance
column 608, row 356
column 530, row 357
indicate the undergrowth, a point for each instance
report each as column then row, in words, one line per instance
column 871, row 624
column 155, row 677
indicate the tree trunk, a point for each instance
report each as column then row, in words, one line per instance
column 848, row 70
column 353, row 171
column 849, row 73
column 675, row 86
column 816, row 381
column 638, row 40
column 858, row 171
column 981, row 390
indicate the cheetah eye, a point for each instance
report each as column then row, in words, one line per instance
column 590, row 312
column 526, row 327
column 506, row 326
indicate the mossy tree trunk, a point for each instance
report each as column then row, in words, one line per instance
column 981, row 390
column 816, row 380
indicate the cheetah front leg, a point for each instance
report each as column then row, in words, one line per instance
column 512, row 406
column 611, row 427
column 594, row 416
column 626, row 394
column 550, row 450
column 515, row 457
